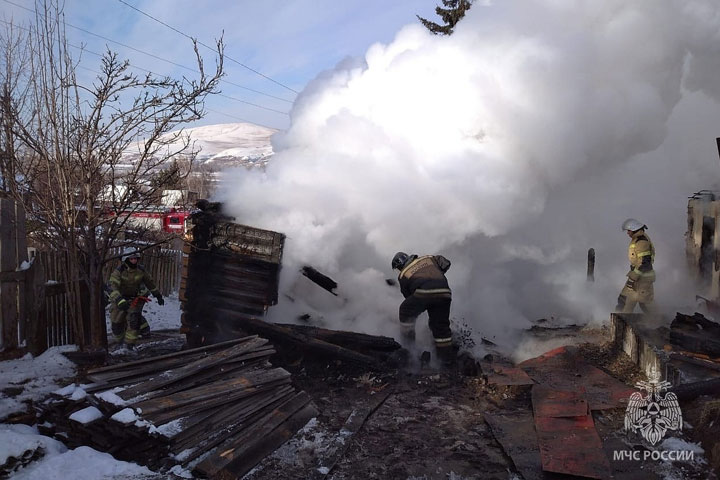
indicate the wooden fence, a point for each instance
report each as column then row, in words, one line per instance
column 13, row 251
column 163, row 265
column 35, row 305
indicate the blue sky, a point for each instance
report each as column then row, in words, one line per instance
column 290, row 41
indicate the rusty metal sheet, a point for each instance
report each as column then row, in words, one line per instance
column 571, row 446
column 505, row 375
column 548, row 402
column 515, row 431
column 563, row 369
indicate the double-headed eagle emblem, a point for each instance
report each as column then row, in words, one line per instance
column 653, row 414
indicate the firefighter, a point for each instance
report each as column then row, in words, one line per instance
column 129, row 283
column 638, row 288
column 425, row 288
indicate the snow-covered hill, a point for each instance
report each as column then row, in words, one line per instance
column 229, row 145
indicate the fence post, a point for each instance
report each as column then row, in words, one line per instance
column 35, row 278
column 8, row 263
column 22, row 256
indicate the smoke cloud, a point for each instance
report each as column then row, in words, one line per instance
column 510, row 147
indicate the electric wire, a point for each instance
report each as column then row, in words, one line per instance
column 84, row 49
column 162, row 59
column 206, row 46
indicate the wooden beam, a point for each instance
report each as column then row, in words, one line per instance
column 8, row 263
column 281, row 334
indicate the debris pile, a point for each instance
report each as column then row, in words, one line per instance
column 558, row 434
column 224, row 402
column 697, row 334
column 228, row 268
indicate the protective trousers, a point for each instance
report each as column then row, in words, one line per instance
column 438, row 308
column 126, row 325
column 634, row 293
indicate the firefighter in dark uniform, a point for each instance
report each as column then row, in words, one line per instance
column 128, row 284
column 638, row 287
column 425, row 288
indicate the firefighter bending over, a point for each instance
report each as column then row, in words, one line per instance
column 638, row 288
column 129, row 284
column 425, row 288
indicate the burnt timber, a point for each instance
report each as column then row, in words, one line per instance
column 228, row 267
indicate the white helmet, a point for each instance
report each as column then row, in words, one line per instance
column 129, row 252
column 632, row 225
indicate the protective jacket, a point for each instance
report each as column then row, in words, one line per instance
column 641, row 254
column 126, row 282
column 425, row 276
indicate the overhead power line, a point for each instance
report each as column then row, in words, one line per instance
column 161, row 59
column 206, row 46
column 83, row 49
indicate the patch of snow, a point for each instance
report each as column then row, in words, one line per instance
column 24, row 265
column 65, row 391
column 18, row 439
column 82, row 463
column 159, row 317
column 180, row 457
column 72, row 391
column 86, row 415
column 52, row 282
column 78, row 394
column 180, row 472
column 169, row 429
column 37, row 376
column 111, row 397
column 675, row 443
column 125, row 416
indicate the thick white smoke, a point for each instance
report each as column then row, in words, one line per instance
column 511, row 147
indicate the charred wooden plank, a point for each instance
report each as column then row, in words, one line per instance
column 238, row 446
column 319, row 279
column 706, row 363
column 515, row 432
column 695, row 341
column 571, row 446
column 284, row 335
column 351, row 340
column 200, row 426
column 182, row 353
column 690, row 391
column 234, row 426
column 191, row 368
column 210, row 391
column 167, row 415
column 548, row 402
column 267, row 444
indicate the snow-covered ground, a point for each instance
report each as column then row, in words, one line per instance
column 47, row 373
column 160, row 317
column 224, row 144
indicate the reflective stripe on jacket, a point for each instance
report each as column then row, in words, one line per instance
column 423, row 276
column 641, row 254
column 126, row 282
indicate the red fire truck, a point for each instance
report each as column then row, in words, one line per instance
column 167, row 219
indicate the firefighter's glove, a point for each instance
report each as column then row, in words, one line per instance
column 123, row 305
column 160, row 299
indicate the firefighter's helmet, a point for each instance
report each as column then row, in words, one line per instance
column 632, row 225
column 399, row 260
column 129, row 253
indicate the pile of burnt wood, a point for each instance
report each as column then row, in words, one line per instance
column 223, row 402
column 696, row 334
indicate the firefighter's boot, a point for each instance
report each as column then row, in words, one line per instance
column 446, row 355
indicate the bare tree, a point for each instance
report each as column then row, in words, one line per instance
column 92, row 153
